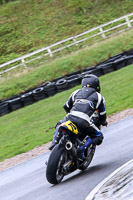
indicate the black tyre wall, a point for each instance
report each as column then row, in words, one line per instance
column 27, row 98
column 39, row 94
column 4, row 108
column 107, row 68
column 15, row 104
column 120, row 63
column 50, row 89
column 62, row 85
column 74, row 80
column 89, row 69
column 97, row 71
column 113, row 58
column 129, row 59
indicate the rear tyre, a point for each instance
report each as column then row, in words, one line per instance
column 89, row 155
column 54, row 171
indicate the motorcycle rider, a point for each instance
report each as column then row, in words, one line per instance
column 81, row 106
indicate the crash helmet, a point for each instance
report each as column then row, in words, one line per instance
column 92, row 81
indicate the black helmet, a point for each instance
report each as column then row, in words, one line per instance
column 91, row 80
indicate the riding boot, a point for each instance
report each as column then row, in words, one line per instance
column 81, row 149
column 56, row 136
column 56, row 139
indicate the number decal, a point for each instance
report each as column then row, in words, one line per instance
column 72, row 127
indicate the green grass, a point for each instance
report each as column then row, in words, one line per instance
column 78, row 60
column 24, row 129
column 27, row 25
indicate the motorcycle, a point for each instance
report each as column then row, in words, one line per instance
column 64, row 158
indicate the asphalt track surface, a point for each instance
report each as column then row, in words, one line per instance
column 27, row 181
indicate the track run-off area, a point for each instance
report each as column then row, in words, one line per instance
column 27, row 181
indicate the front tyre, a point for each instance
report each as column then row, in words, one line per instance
column 54, row 171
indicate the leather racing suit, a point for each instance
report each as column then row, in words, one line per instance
column 81, row 107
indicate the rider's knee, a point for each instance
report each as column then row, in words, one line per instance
column 98, row 140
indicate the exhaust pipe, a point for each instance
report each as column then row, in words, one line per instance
column 68, row 146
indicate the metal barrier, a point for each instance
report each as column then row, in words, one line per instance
column 74, row 40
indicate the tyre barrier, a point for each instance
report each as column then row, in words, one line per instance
column 97, row 71
column 27, row 98
column 60, row 84
column 120, row 63
column 106, row 68
column 74, row 80
column 4, row 108
column 89, row 68
column 129, row 59
column 15, row 104
column 50, row 88
column 39, row 93
column 112, row 59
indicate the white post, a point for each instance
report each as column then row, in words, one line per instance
column 75, row 41
column 102, row 33
column 128, row 22
column 23, row 62
column 50, row 52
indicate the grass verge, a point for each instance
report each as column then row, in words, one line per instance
column 33, row 125
column 27, row 25
column 89, row 56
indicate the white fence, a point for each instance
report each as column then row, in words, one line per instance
column 74, row 40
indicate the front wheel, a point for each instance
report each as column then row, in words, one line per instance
column 89, row 155
column 54, row 171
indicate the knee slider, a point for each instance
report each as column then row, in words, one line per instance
column 98, row 140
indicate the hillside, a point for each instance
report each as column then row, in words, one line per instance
column 27, row 25
column 20, row 80
column 32, row 24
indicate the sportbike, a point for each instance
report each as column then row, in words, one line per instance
column 64, row 158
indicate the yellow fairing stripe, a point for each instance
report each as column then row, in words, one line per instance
column 72, row 127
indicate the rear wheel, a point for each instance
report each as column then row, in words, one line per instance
column 54, row 171
column 89, row 155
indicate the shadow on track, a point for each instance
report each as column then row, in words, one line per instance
column 81, row 174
